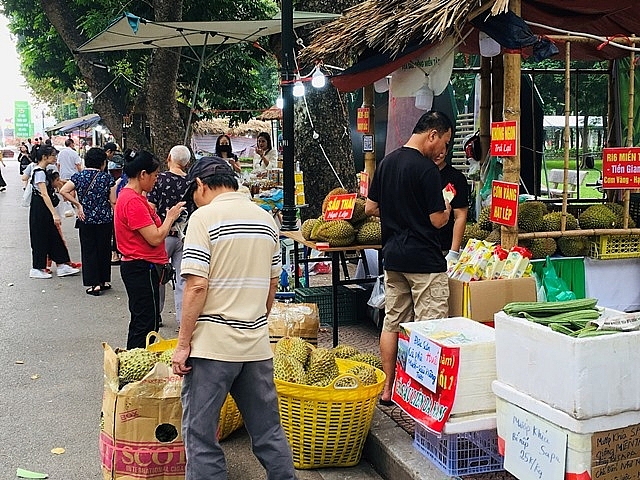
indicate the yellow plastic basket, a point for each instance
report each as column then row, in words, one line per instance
column 327, row 426
column 230, row 417
column 605, row 247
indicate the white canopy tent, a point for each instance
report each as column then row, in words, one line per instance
column 130, row 32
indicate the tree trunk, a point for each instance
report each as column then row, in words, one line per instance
column 328, row 112
column 109, row 105
column 167, row 128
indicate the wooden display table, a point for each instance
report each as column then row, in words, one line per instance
column 338, row 259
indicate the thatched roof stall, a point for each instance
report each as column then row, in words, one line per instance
column 379, row 36
column 274, row 113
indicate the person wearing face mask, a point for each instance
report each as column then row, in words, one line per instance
column 225, row 150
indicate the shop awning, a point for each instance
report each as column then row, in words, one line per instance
column 131, row 32
column 72, row 124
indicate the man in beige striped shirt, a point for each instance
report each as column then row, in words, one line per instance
column 231, row 264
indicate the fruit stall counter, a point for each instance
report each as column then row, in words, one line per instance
column 339, row 271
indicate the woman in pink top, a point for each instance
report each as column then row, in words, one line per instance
column 140, row 237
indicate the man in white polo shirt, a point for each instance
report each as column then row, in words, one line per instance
column 231, row 264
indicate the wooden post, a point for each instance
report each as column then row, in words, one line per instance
column 630, row 129
column 370, row 157
column 567, row 132
column 511, row 112
column 485, row 106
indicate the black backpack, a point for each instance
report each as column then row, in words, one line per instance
column 55, row 200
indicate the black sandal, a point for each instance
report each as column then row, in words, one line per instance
column 105, row 286
column 95, row 290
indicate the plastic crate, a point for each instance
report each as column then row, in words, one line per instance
column 607, row 247
column 460, row 453
column 321, row 296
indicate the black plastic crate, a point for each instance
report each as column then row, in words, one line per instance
column 321, row 296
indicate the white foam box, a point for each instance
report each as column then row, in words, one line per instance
column 477, row 367
column 603, row 448
column 584, row 377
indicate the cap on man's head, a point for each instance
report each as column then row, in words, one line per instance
column 206, row 167
column 110, row 146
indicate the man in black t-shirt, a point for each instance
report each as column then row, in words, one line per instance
column 406, row 194
column 451, row 234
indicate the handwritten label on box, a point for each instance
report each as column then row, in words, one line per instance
column 423, row 360
column 534, row 448
column 615, row 454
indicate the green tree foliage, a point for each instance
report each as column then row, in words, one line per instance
column 238, row 78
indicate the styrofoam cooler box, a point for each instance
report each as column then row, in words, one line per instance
column 616, row 453
column 477, row 364
column 584, row 377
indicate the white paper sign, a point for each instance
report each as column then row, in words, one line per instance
column 534, row 449
column 423, row 360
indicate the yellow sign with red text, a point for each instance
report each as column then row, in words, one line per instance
column 340, row 207
column 504, row 203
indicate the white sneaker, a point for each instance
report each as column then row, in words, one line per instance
column 64, row 270
column 37, row 273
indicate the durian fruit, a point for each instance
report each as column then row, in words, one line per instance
column 370, row 233
column 618, row 211
column 530, row 216
column 335, row 191
column 345, row 351
column 597, row 216
column 358, row 216
column 346, row 382
column 322, row 367
column 365, row 373
column 135, row 364
column 339, row 233
column 473, row 230
column 574, row 246
column 316, row 227
column 307, row 227
column 165, row 357
column 484, row 219
column 288, row 369
column 541, row 247
column 551, row 222
column 369, row 358
column 293, row 347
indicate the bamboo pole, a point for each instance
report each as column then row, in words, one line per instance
column 567, row 133
column 580, row 233
column 511, row 109
column 370, row 157
column 485, row 106
column 630, row 130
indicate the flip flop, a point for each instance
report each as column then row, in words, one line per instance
column 95, row 291
column 386, row 403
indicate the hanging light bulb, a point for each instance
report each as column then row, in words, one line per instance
column 298, row 88
column 424, row 98
column 318, row 80
column 280, row 101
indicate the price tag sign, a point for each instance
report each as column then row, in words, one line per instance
column 340, row 207
column 534, row 448
column 423, row 360
column 363, row 120
column 504, row 203
column 621, row 168
column 364, row 184
column 504, row 138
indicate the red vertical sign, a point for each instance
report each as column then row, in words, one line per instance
column 362, row 121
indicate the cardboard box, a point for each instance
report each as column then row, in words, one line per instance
column 583, row 377
column 141, row 434
column 603, row 448
column 480, row 300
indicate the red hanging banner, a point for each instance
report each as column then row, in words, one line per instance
column 363, row 120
